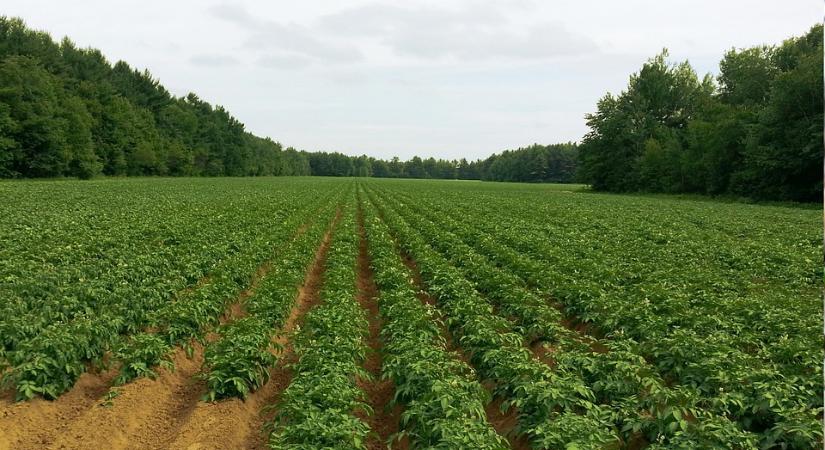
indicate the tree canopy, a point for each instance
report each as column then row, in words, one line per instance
column 66, row 111
column 756, row 131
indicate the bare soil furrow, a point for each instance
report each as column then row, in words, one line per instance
column 146, row 413
column 37, row 423
column 142, row 409
column 385, row 420
column 234, row 423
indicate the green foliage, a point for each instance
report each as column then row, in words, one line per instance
column 444, row 402
column 121, row 271
column 704, row 324
column 497, row 350
column 758, row 135
column 783, row 154
column 600, row 321
column 317, row 408
column 543, row 164
column 37, row 127
column 66, row 111
column 141, row 355
column 240, row 361
column 633, row 141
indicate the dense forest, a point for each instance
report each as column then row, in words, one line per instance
column 536, row 163
column 756, row 131
column 66, row 111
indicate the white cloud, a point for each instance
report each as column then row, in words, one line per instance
column 284, row 61
column 207, row 60
column 291, row 38
column 236, row 13
column 468, row 33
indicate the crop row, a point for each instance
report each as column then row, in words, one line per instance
column 709, row 341
column 121, row 295
column 238, row 362
column 318, row 409
column 49, row 363
column 617, row 376
column 191, row 314
column 121, row 254
column 444, row 402
column 553, row 409
column 69, row 273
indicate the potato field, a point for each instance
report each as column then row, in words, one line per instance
column 341, row 313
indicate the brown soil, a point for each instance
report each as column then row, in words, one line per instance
column 237, row 309
column 385, row 420
column 142, row 411
column 78, row 418
column 145, row 412
column 303, row 228
column 505, row 422
column 36, row 423
column 636, row 442
column 234, row 423
column 543, row 352
column 584, row 333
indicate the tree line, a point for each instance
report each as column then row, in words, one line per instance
column 66, row 111
column 555, row 163
column 755, row 131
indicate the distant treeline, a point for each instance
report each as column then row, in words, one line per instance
column 536, row 163
column 757, row 131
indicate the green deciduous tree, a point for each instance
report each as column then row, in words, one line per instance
column 759, row 134
column 65, row 111
column 36, row 123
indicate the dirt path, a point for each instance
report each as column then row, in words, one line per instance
column 145, row 408
column 79, row 420
column 385, row 420
column 145, row 411
column 234, row 423
column 142, row 409
column 36, row 423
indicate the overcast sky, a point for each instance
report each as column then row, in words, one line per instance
column 433, row 78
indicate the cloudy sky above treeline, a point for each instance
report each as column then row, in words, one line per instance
column 430, row 78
